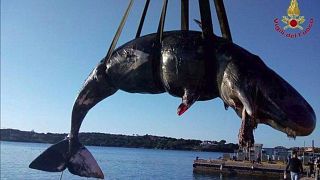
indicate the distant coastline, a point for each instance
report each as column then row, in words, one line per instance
column 113, row 140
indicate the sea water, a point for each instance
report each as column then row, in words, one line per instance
column 116, row 163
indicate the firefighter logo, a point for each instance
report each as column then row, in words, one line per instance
column 293, row 20
column 294, row 23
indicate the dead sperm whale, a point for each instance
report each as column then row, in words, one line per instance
column 184, row 65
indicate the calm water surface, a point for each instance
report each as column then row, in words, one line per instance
column 116, row 163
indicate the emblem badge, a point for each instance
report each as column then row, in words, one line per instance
column 294, row 26
column 293, row 20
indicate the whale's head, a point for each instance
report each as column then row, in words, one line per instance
column 258, row 93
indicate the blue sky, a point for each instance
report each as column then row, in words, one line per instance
column 49, row 47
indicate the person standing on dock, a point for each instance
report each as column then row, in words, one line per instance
column 295, row 167
column 317, row 168
column 311, row 167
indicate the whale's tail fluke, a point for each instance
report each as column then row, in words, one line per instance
column 57, row 158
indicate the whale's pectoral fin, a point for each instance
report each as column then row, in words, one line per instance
column 188, row 99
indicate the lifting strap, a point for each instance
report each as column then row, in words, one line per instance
column 185, row 15
column 223, row 20
column 206, row 21
column 162, row 20
column 117, row 35
column 142, row 18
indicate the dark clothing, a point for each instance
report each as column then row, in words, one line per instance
column 311, row 167
column 295, row 165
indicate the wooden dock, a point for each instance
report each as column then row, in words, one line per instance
column 265, row 170
column 275, row 170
